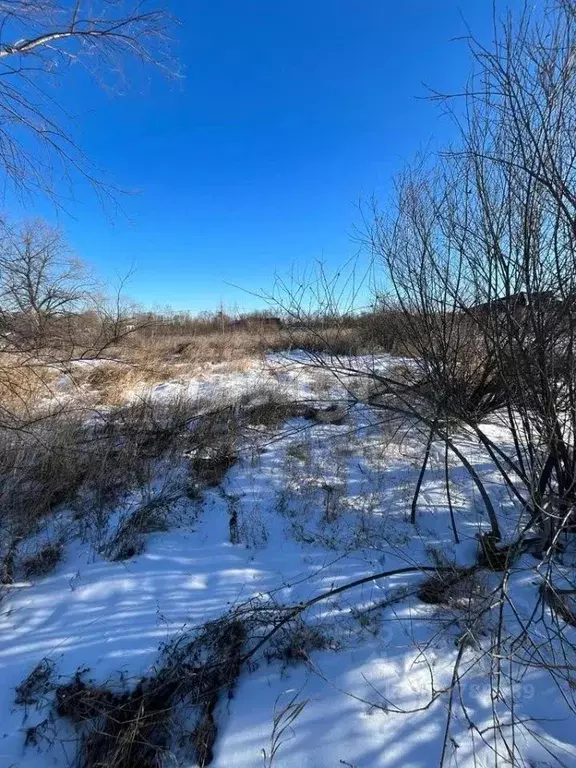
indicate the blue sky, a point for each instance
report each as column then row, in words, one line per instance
column 289, row 114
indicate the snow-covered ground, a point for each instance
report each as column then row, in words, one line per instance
column 317, row 506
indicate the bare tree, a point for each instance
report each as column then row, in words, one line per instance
column 51, row 309
column 477, row 254
column 52, row 312
column 40, row 282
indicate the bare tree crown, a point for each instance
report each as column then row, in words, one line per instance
column 40, row 41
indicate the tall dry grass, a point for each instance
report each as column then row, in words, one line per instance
column 145, row 360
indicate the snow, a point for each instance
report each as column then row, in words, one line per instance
column 316, row 509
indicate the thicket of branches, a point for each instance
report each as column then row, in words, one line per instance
column 477, row 262
column 479, row 253
column 476, row 259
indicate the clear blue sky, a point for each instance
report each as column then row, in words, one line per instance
column 288, row 115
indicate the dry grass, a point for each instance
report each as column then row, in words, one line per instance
column 139, row 728
column 24, row 381
column 204, row 350
column 33, row 690
column 118, row 477
column 65, row 463
column 43, row 561
column 142, row 361
column 561, row 602
column 170, row 716
column 112, row 383
column 232, row 345
column 76, row 455
column 270, row 407
column 146, row 362
column 294, row 643
column 494, row 555
column 447, row 588
column 158, row 358
column 38, row 471
column 148, row 517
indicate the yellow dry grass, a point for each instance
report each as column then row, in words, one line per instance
column 24, row 382
column 143, row 361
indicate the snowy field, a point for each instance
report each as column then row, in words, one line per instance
column 309, row 505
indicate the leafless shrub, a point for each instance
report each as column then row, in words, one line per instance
column 138, row 727
column 477, row 255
